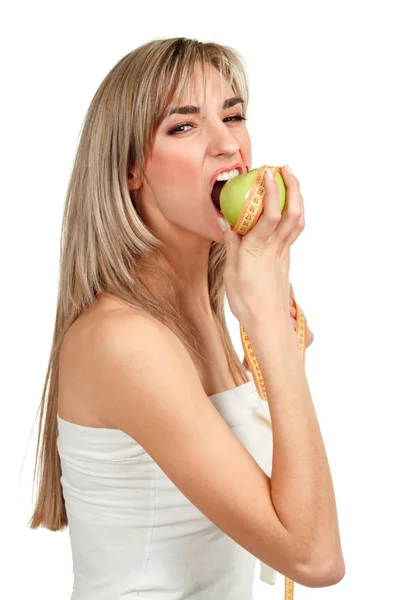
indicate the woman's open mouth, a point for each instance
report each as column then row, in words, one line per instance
column 215, row 193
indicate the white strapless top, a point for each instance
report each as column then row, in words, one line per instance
column 134, row 534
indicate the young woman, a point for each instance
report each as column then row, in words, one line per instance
column 156, row 447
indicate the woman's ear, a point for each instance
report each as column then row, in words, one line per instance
column 134, row 182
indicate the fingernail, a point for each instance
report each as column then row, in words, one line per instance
column 269, row 173
column 222, row 223
column 287, row 168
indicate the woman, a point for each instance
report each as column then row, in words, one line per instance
column 157, row 449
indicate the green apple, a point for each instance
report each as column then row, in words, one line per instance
column 235, row 193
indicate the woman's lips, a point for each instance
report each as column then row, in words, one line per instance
column 213, row 179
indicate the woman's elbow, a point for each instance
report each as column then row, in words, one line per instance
column 325, row 576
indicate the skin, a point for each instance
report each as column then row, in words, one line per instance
column 175, row 196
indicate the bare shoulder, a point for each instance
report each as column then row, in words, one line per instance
column 126, row 330
column 133, row 346
column 87, row 345
column 99, row 324
column 106, row 347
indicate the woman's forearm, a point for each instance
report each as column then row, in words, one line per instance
column 301, row 484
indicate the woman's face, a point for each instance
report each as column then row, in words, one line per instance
column 176, row 195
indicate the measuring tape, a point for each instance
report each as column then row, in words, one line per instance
column 248, row 218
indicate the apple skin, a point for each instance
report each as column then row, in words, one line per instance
column 234, row 194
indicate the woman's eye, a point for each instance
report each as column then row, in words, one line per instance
column 191, row 123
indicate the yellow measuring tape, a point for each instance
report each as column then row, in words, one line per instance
column 248, row 218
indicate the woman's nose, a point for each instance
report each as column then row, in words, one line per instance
column 222, row 140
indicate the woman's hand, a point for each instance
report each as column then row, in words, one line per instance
column 293, row 316
column 256, row 273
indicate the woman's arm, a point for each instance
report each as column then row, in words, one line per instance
column 301, row 484
column 309, row 334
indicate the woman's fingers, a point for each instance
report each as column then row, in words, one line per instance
column 258, row 238
column 292, row 222
column 273, row 229
column 299, row 227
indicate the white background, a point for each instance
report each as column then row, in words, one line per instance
column 324, row 98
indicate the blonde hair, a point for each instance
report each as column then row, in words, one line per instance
column 106, row 248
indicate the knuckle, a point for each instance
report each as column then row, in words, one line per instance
column 294, row 181
column 295, row 214
column 300, row 224
column 274, row 217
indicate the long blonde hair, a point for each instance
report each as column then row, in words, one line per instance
column 104, row 239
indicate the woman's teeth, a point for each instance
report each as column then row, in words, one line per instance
column 227, row 175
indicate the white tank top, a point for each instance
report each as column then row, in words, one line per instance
column 133, row 533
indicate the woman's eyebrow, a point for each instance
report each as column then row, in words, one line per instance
column 195, row 110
